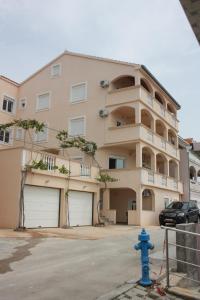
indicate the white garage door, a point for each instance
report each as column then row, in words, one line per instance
column 41, row 206
column 80, row 208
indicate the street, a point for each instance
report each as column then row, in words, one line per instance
column 84, row 265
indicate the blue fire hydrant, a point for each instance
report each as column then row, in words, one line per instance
column 144, row 245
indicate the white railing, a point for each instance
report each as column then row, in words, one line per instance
column 164, row 180
column 50, row 161
column 85, row 170
column 150, row 176
column 150, row 136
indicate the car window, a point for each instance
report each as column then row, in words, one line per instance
column 192, row 205
column 178, row 205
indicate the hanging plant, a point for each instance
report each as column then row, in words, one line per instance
column 64, row 170
column 76, row 142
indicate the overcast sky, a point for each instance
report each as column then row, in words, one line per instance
column 155, row 33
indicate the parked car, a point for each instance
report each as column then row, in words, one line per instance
column 178, row 212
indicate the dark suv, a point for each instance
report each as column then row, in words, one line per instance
column 179, row 212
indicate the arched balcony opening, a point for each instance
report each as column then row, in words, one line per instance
column 193, row 173
column 160, row 128
column 161, row 164
column 122, row 82
column 171, row 109
column 147, row 158
column 147, row 119
column 122, row 200
column 123, row 116
column 145, row 84
column 172, row 139
column 173, row 169
column 148, row 200
column 160, row 99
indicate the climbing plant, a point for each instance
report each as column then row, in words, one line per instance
column 79, row 142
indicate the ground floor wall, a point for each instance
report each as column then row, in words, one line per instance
column 9, row 207
column 130, row 206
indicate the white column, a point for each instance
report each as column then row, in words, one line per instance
column 138, row 155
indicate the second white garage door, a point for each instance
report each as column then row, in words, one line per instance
column 41, row 206
column 80, row 208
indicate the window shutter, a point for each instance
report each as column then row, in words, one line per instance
column 77, row 127
column 42, row 136
column 55, row 70
column 19, row 134
column 78, row 92
column 43, row 101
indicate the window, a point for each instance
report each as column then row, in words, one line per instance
column 78, row 92
column 19, row 134
column 42, row 136
column 77, row 126
column 56, row 70
column 8, row 104
column 5, row 136
column 22, row 103
column 116, row 163
column 43, row 102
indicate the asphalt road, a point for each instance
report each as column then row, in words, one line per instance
column 60, row 268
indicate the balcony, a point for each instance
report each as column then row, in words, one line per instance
column 194, row 186
column 135, row 93
column 133, row 133
column 54, row 162
column 135, row 177
column 148, row 177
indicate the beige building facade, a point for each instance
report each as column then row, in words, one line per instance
column 125, row 110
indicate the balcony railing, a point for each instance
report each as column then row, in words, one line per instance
column 85, row 170
column 54, row 163
column 132, row 178
column 160, row 180
column 135, row 93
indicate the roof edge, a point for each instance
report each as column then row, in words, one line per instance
column 160, row 85
column 9, row 80
column 66, row 52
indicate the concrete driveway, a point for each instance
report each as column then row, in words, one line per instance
column 80, row 263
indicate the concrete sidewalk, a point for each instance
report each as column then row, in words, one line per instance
column 137, row 292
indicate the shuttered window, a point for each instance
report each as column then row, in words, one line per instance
column 42, row 136
column 77, row 126
column 78, row 92
column 43, row 101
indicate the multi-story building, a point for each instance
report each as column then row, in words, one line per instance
column 190, row 169
column 120, row 106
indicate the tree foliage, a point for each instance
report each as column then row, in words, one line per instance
column 79, row 142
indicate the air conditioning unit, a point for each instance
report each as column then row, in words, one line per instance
column 103, row 113
column 104, row 83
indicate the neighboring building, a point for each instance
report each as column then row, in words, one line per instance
column 126, row 111
column 192, row 11
column 190, row 169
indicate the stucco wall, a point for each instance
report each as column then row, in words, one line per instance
column 10, row 178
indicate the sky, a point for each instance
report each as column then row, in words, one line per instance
column 155, row 33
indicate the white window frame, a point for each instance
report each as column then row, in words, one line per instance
column 14, row 105
column 84, row 125
column 47, row 136
column 20, row 101
column 86, row 92
column 37, row 101
column 117, row 157
column 60, row 70
column 10, row 143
